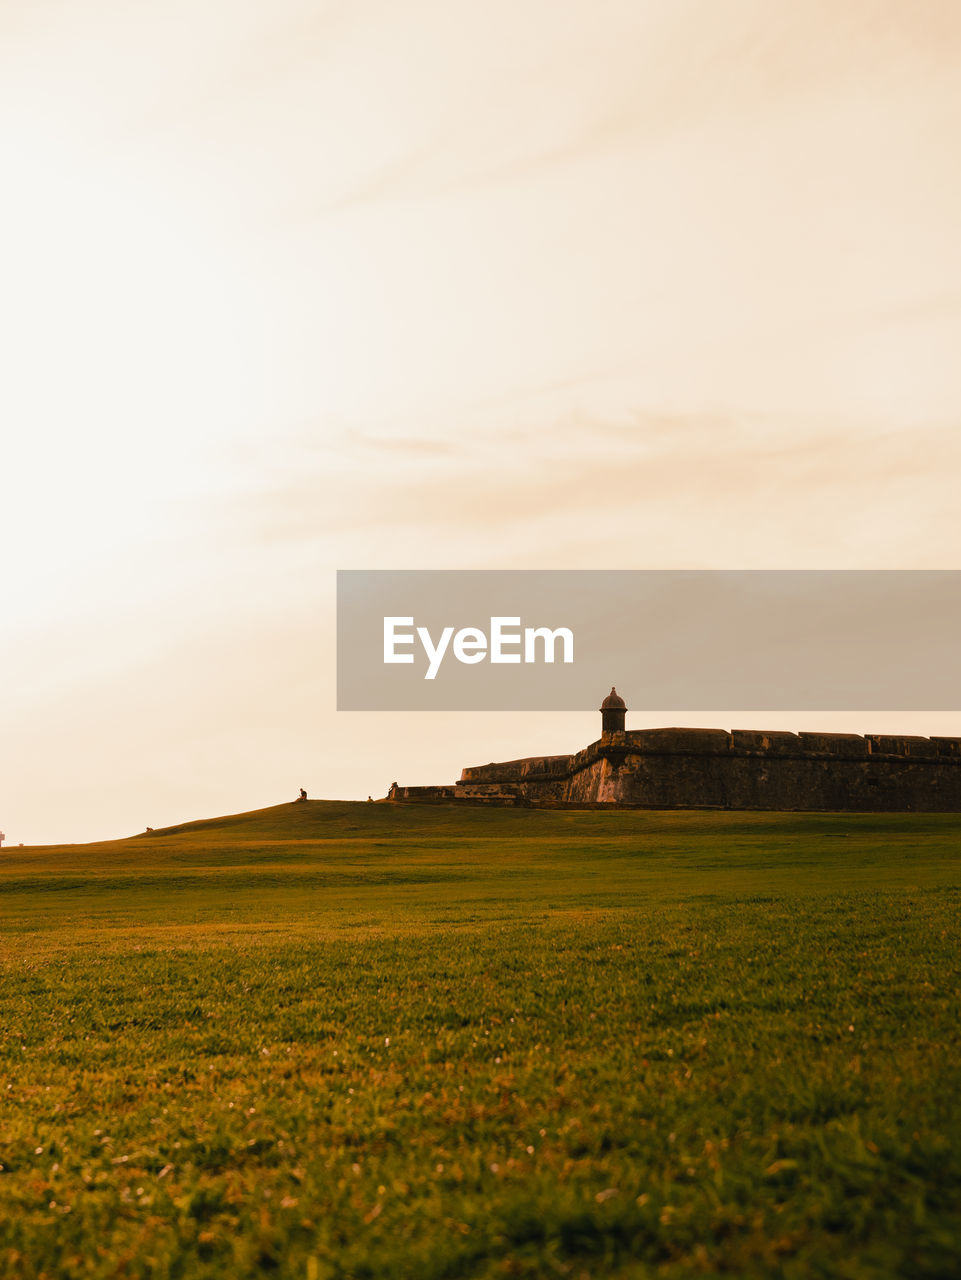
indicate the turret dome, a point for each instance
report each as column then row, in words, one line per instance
column 613, row 702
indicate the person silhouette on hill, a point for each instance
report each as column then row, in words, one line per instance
column 303, row 794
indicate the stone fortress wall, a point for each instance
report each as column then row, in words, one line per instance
column 712, row 768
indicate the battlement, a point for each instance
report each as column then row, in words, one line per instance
column 739, row 769
column 842, row 746
column 519, row 770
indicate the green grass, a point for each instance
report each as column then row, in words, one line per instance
column 357, row 1040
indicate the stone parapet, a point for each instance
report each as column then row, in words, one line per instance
column 742, row 769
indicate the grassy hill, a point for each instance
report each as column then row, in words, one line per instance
column 329, row 1040
column 322, row 854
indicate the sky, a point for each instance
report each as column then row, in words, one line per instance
column 556, row 284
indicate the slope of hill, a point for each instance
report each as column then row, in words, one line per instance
column 321, row 859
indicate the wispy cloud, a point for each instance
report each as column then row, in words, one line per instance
column 547, row 494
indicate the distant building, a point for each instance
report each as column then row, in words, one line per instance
column 717, row 769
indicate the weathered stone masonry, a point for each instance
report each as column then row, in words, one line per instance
column 711, row 768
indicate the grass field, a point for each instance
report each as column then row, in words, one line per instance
column 358, row 1040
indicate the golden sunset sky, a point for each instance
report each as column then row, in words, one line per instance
column 290, row 287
